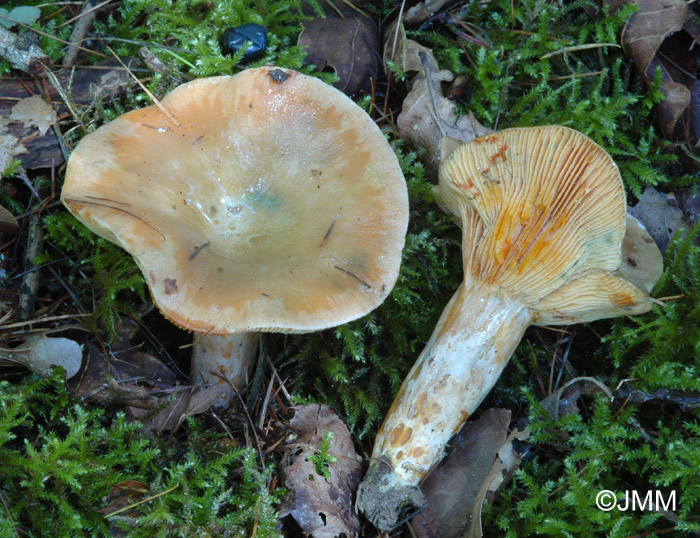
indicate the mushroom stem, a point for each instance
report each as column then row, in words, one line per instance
column 474, row 338
column 224, row 361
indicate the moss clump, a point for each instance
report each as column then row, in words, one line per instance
column 547, row 63
column 58, row 460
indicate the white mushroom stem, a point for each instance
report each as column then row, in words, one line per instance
column 542, row 213
column 224, row 361
column 472, row 342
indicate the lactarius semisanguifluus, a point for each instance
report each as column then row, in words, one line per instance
column 542, row 211
column 263, row 201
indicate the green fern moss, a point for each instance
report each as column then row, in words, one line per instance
column 58, row 460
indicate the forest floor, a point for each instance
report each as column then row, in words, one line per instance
column 104, row 433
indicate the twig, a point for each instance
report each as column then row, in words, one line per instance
column 266, row 402
column 80, row 30
column 66, row 100
column 30, row 283
column 9, row 515
column 578, row 47
column 40, row 320
column 250, row 420
column 25, row 180
column 153, row 97
column 279, row 380
column 85, row 12
column 23, row 52
column 70, row 292
column 685, row 400
column 142, row 501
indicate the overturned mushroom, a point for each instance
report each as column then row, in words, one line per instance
column 542, row 211
column 264, row 201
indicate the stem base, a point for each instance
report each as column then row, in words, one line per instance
column 384, row 498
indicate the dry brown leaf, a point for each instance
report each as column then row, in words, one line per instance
column 503, row 467
column 83, row 85
column 34, row 111
column 10, row 147
column 647, row 28
column 428, row 118
column 451, row 489
column 404, row 52
column 322, row 507
column 9, row 227
column 689, row 201
column 122, row 495
column 347, row 41
column 188, row 401
column 658, row 37
column 133, row 373
column 423, row 10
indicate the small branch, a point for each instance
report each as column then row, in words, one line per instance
column 685, row 400
column 80, row 30
column 148, row 499
column 30, row 283
column 578, row 47
column 23, row 52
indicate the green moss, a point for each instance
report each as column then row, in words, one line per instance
column 323, row 458
column 555, row 494
column 58, row 460
column 546, row 63
column 662, row 348
column 193, row 28
column 117, row 283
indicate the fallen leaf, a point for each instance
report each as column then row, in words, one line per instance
column 423, row 10
column 661, row 37
column 40, row 353
column 122, row 495
column 503, row 467
column 9, row 227
column 347, row 41
column 20, row 14
column 451, row 489
column 135, row 376
column 642, row 262
column 322, row 507
column 188, row 401
column 428, row 118
column 83, row 85
column 647, row 28
column 10, row 147
column 34, row 111
column 404, row 52
column 660, row 215
column 689, row 201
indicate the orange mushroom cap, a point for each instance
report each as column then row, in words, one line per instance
column 266, row 200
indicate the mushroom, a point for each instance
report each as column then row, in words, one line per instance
column 542, row 210
column 642, row 262
column 263, row 201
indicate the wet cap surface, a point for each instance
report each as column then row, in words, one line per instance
column 274, row 202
